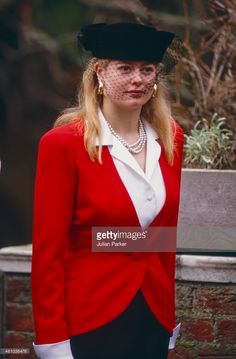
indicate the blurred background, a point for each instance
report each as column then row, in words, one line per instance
column 41, row 67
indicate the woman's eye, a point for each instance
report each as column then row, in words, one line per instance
column 125, row 69
column 148, row 70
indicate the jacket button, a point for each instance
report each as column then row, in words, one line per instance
column 137, row 256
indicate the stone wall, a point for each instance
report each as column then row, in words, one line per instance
column 207, row 312
column 18, row 328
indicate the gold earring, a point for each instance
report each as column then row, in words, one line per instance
column 100, row 88
column 154, row 90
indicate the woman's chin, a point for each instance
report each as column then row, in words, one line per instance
column 132, row 103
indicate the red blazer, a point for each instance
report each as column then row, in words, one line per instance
column 75, row 290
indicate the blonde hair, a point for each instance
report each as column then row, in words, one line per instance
column 156, row 111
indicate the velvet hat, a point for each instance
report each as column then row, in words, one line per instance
column 125, row 41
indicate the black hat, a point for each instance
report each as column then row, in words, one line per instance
column 125, row 41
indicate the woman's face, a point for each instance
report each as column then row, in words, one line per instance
column 128, row 84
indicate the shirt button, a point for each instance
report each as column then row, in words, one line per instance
column 149, row 197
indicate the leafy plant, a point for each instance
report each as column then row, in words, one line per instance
column 209, row 144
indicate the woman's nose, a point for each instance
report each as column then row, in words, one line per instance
column 136, row 76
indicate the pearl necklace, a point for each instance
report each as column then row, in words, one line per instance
column 137, row 146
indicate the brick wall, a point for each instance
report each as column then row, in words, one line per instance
column 18, row 322
column 207, row 312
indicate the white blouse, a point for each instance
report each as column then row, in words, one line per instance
column 147, row 192
column 146, row 189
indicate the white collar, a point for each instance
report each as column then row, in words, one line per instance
column 107, row 136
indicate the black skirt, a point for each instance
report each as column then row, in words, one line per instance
column 135, row 333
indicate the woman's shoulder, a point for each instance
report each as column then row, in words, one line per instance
column 64, row 133
column 177, row 130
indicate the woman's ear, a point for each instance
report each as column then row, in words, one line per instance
column 99, row 71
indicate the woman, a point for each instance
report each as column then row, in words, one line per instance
column 113, row 161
